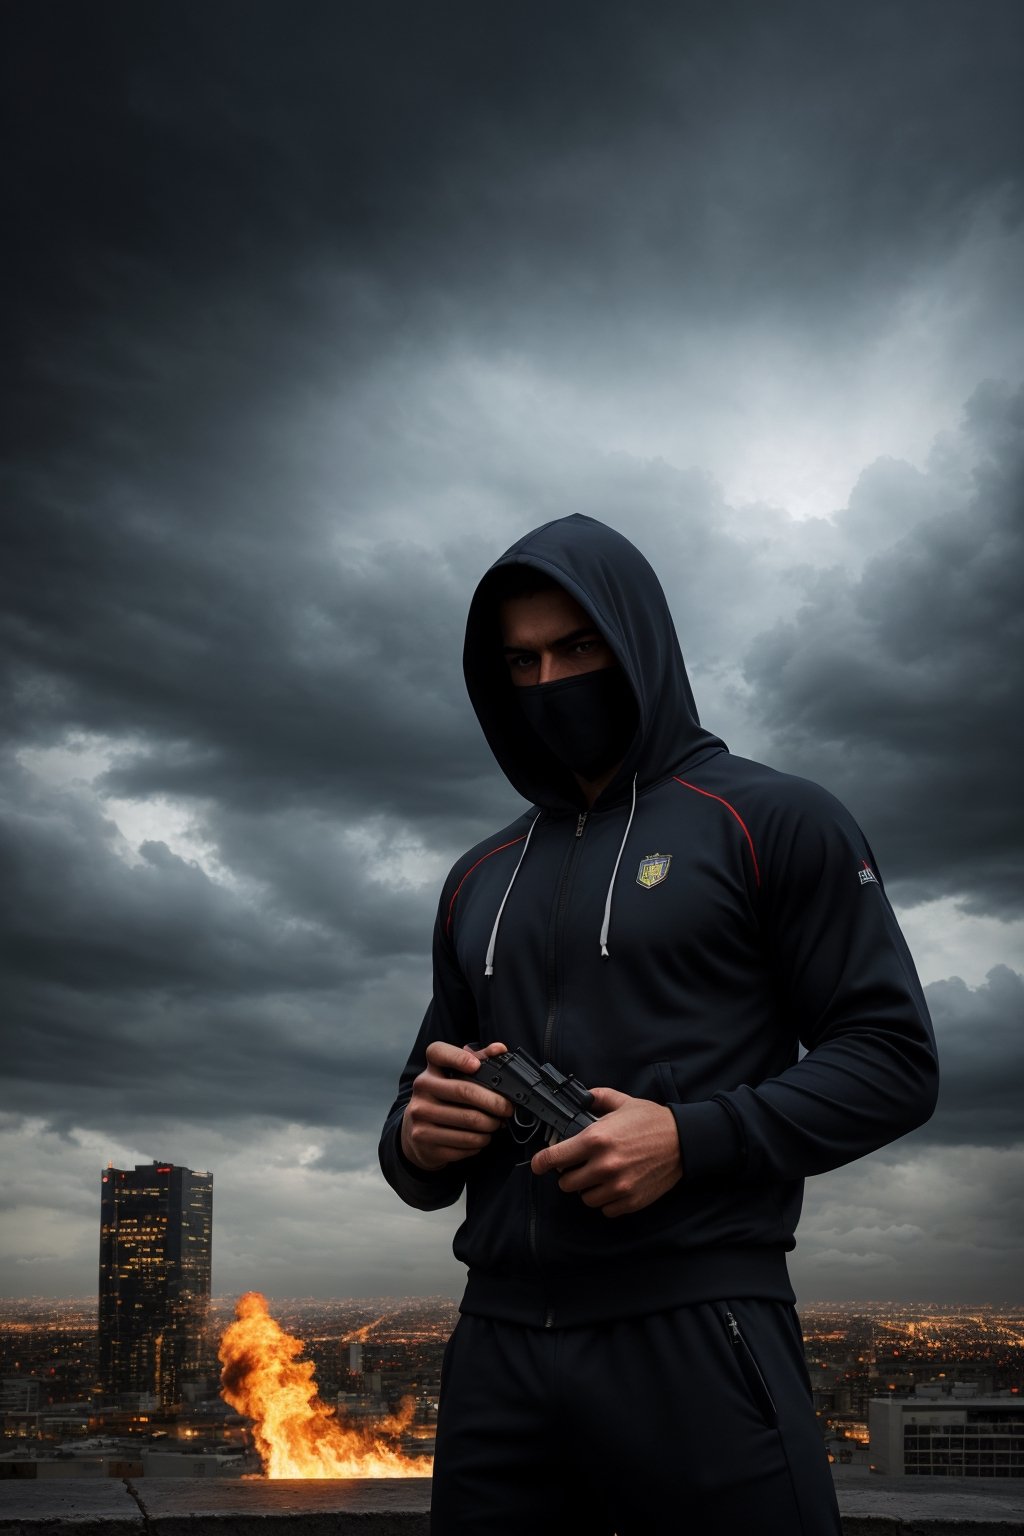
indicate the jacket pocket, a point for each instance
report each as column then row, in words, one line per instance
column 750, row 1370
column 665, row 1083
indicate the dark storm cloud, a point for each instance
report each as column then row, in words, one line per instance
column 78, row 917
column 150, row 990
column 255, row 197
column 582, row 140
column 901, row 689
column 256, row 664
column 916, row 1221
column 981, row 1044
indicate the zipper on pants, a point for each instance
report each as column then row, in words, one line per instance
column 750, row 1369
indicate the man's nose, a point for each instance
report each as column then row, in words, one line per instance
column 550, row 668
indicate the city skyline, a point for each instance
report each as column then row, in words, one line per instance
column 315, row 315
column 223, row 1303
column 377, row 1362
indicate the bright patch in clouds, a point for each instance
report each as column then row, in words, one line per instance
column 946, row 941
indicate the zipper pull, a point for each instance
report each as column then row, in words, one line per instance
column 733, row 1327
column 581, row 823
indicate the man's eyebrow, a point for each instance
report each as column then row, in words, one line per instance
column 574, row 634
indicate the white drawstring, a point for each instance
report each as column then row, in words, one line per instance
column 611, row 883
column 489, row 958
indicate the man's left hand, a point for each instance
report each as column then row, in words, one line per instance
column 624, row 1161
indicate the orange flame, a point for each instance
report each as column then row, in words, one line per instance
column 296, row 1434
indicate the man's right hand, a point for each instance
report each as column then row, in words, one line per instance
column 449, row 1118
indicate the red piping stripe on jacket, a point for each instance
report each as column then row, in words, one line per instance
column 732, row 809
column 469, row 871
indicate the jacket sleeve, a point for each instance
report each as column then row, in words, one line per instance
column 846, row 989
column 452, row 1017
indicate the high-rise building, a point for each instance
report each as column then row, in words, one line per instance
column 155, row 1241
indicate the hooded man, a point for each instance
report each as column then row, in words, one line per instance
column 670, row 924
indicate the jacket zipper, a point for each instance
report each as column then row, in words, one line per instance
column 551, row 978
column 568, row 866
column 750, row 1368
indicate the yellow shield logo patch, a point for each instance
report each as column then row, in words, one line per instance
column 653, row 870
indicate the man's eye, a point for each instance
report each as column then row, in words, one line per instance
column 520, row 663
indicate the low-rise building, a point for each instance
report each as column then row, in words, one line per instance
column 19, row 1394
column 947, row 1431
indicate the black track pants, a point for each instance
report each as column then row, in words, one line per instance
column 696, row 1421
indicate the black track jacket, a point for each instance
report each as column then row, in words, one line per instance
column 747, row 918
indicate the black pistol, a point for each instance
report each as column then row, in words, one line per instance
column 542, row 1095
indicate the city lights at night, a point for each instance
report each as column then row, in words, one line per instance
column 369, row 1355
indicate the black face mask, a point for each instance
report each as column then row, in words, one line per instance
column 587, row 721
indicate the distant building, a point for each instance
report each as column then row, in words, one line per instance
column 947, row 1431
column 19, row 1394
column 155, row 1245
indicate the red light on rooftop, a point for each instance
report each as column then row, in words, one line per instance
column 163, row 1170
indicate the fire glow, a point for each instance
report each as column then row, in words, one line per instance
column 296, row 1434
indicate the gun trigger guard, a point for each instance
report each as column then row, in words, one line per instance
column 529, row 1125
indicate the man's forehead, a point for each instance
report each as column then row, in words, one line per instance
column 541, row 617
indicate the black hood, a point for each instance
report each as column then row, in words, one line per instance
column 613, row 583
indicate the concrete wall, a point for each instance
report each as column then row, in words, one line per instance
column 381, row 1507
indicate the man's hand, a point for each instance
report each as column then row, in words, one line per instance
column 622, row 1163
column 447, row 1118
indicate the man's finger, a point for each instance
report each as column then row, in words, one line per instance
column 564, row 1154
column 456, row 1090
column 466, row 1115
column 448, row 1139
column 607, row 1099
column 581, row 1180
column 618, row 1208
column 449, row 1078
column 459, row 1058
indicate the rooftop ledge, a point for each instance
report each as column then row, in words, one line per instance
column 870, row 1506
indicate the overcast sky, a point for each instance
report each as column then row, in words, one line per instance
column 314, row 310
